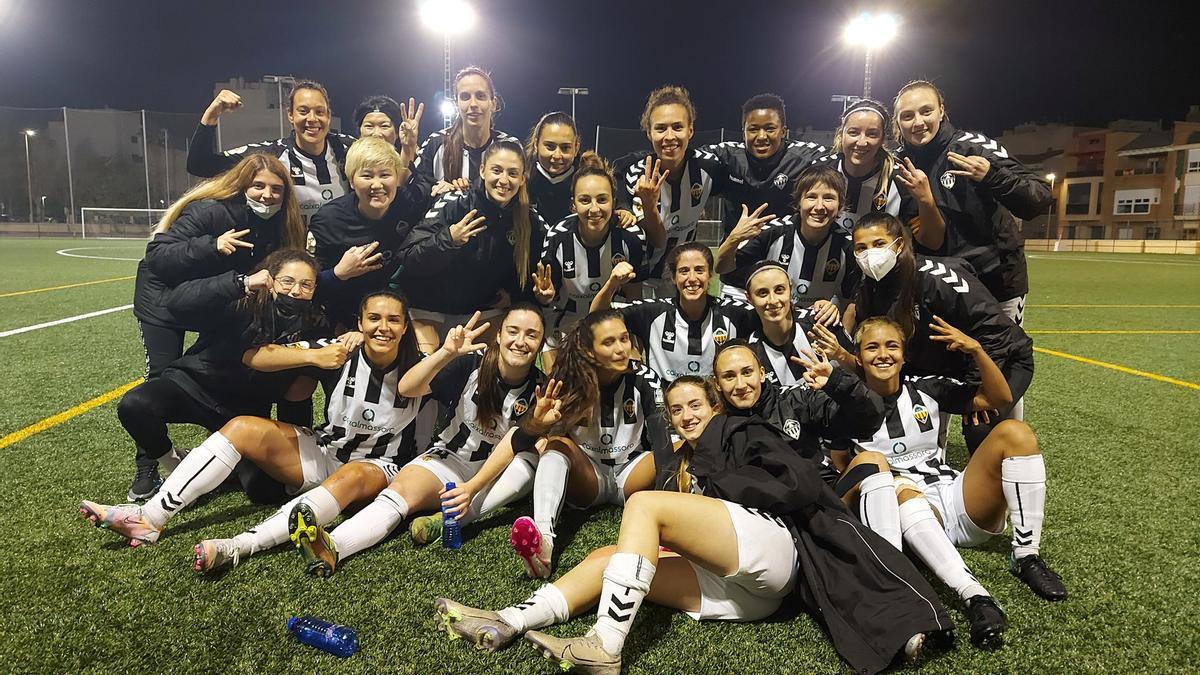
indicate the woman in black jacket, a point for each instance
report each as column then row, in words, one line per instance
column 475, row 250
column 230, row 223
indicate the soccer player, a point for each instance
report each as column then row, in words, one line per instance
column 551, row 150
column 913, row 289
column 600, row 450
column 368, row 426
column 680, row 334
column 978, row 189
column 582, row 250
column 720, row 540
column 487, row 395
column 380, row 116
column 668, row 187
column 312, row 154
column 781, row 335
column 1005, row 479
column 488, row 238
column 450, row 159
column 358, row 234
column 808, row 242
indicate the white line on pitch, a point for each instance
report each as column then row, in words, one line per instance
column 67, row 252
column 59, row 322
column 1059, row 256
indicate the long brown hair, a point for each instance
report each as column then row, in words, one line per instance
column 410, row 351
column 917, row 84
column 576, row 367
column 453, row 147
column 522, row 226
column 592, row 164
column 887, row 161
column 706, row 384
column 902, row 312
column 491, row 395
column 236, row 181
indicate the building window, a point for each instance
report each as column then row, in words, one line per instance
column 1194, row 166
column 1153, row 232
column 1125, row 232
column 134, row 139
column 1069, row 232
column 1079, row 196
column 1133, row 205
column 1097, row 232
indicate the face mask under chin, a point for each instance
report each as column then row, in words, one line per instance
column 262, row 210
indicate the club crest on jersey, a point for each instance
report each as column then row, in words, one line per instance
column 520, row 406
column 947, row 180
column 697, row 192
column 920, row 413
column 832, row 267
column 780, row 181
column 630, row 407
column 879, row 202
column 368, row 414
column 792, row 428
column 720, row 335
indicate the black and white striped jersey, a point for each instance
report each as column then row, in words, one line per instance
column 777, row 359
column 821, row 271
column 430, row 164
column 617, row 429
column 457, row 388
column 863, row 194
column 317, row 179
column 674, row 346
column 365, row 417
column 578, row 271
column 908, row 436
column 680, row 204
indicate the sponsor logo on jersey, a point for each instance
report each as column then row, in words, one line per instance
column 368, row 414
column 350, row 382
column 594, row 286
column 920, row 413
column 792, row 427
column 326, row 194
column 879, row 202
column 669, row 336
column 947, row 180
column 675, row 219
column 801, row 289
column 297, row 171
column 898, row 447
column 720, row 335
column 697, row 192
column 781, row 181
column 784, row 258
column 520, row 406
column 693, row 366
column 606, row 439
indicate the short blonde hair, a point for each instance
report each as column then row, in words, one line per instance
column 371, row 152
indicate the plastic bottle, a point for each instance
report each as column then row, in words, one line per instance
column 451, row 534
column 328, row 637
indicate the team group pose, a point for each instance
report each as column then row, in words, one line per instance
column 770, row 412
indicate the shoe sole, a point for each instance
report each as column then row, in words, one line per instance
column 526, row 540
column 992, row 639
column 417, row 534
column 447, row 619
column 565, row 664
column 303, row 534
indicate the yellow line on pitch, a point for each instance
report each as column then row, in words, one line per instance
column 1113, row 332
column 59, row 288
column 1120, row 369
column 55, row 420
column 1115, row 306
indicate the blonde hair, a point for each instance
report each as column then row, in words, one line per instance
column 236, row 181
column 713, row 396
column 887, row 161
column 371, row 151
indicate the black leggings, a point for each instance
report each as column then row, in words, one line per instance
column 163, row 346
column 1019, row 376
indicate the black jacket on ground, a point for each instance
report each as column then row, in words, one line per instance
column 979, row 215
column 441, row 276
column 177, row 259
column 868, row 595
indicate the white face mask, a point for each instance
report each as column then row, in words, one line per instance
column 877, row 262
column 262, row 210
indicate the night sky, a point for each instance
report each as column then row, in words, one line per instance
column 1000, row 63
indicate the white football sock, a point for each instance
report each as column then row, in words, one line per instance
column 878, row 508
column 546, row 607
column 549, row 490
column 513, row 483
column 1024, row 484
column 626, row 582
column 200, row 472
column 926, row 538
column 371, row 525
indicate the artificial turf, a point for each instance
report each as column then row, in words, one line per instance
column 1121, row 516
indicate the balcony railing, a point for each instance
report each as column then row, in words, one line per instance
column 1187, row 209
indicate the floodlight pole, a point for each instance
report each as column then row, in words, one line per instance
column 167, row 161
column 867, row 75
column 70, row 178
column 29, row 171
column 447, row 95
column 279, row 81
column 573, row 92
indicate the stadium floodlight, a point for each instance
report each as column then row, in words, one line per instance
column 28, row 134
column 447, row 17
column 1051, row 177
column 870, row 32
column 573, row 92
column 1050, row 216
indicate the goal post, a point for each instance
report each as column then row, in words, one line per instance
column 97, row 222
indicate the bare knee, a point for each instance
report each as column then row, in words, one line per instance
column 1016, row 438
column 870, row 457
column 601, row 555
column 243, row 430
column 641, row 505
column 355, row 481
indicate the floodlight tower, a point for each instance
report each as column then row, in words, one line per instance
column 573, row 92
column 870, row 32
column 28, row 134
column 447, row 17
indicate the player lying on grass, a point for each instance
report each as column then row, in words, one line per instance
column 367, row 433
column 488, row 394
column 1005, row 479
column 739, row 510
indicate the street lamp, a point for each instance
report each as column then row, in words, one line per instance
column 1050, row 216
column 870, row 31
column 28, row 134
column 279, row 81
column 42, row 217
column 573, row 92
column 447, row 17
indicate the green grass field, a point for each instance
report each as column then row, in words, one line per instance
column 1121, row 527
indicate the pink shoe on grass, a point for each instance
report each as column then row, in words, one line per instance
column 534, row 548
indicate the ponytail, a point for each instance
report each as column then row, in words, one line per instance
column 592, row 164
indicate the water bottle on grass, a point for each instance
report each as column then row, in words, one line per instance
column 328, row 637
column 451, row 534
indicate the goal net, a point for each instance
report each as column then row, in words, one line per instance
column 105, row 223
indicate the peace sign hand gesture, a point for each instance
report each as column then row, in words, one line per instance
column 410, row 125
column 231, row 241
column 543, row 284
column 971, row 166
column 650, row 182
column 358, row 260
column 954, row 339
column 916, row 180
column 462, row 231
column 827, row 343
column 460, row 340
column 817, row 368
column 750, row 224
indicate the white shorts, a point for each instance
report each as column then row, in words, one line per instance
column 611, row 479
column 766, row 570
column 448, row 467
column 947, row 498
column 318, row 462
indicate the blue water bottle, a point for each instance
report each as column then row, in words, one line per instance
column 451, row 534
column 328, row 637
